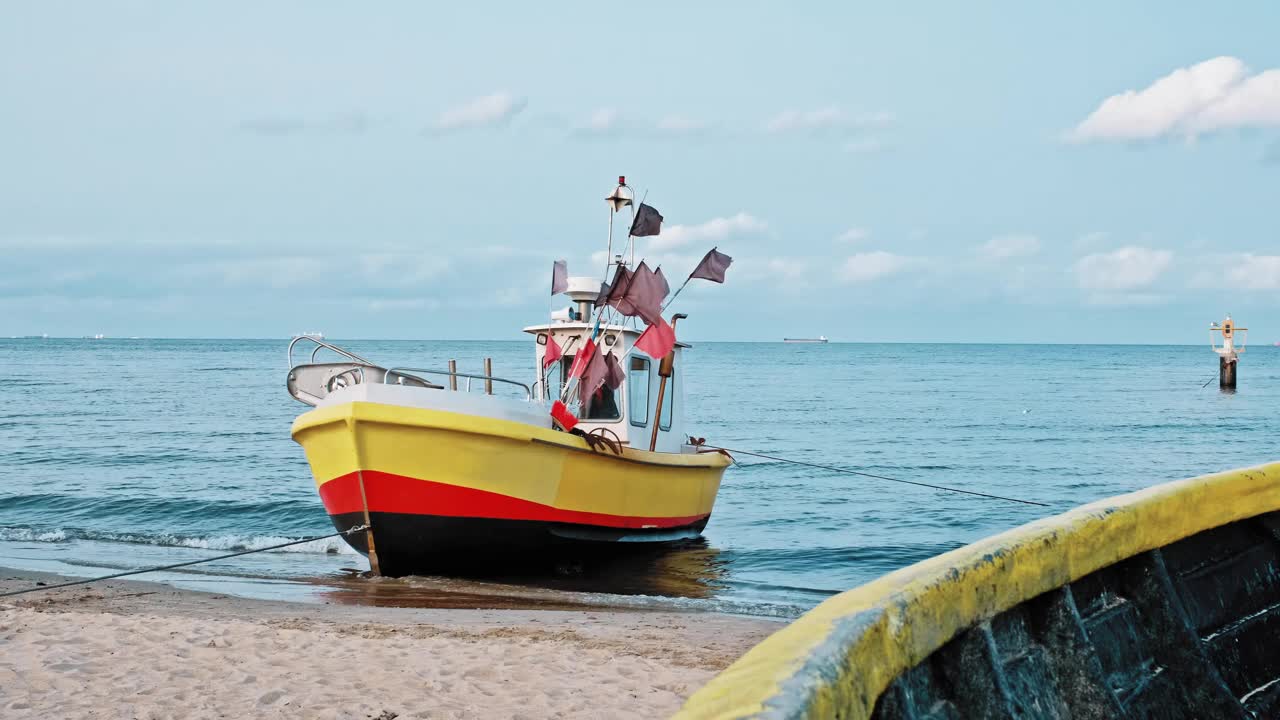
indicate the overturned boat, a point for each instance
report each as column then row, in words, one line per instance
column 446, row 467
column 1164, row 603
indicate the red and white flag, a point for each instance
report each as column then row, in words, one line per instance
column 561, row 416
column 657, row 340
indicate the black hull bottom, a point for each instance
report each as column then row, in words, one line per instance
column 425, row 544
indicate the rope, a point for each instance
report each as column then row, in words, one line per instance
column 880, row 477
column 182, row 564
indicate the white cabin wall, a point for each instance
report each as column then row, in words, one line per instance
column 670, row 440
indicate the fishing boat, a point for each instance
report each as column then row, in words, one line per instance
column 588, row 449
column 1164, row 603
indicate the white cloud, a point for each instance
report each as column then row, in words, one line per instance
column 602, row 120
column 713, row 230
column 1009, row 246
column 487, row 111
column 825, row 120
column 787, row 268
column 1217, row 94
column 1252, row 272
column 864, row 146
column 869, row 266
column 1091, row 240
column 396, row 269
column 273, row 272
column 853, row 235
column 1126, row 269
column 680, row 124
column 1125, row 298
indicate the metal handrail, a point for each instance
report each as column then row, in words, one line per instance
column 320, row 344
column 528, row 393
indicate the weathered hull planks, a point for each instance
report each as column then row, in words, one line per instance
column 1158, row 604
column 1188, row 631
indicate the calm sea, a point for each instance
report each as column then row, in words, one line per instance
column 126, row 453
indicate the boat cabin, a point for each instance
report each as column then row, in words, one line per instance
column 629, row 411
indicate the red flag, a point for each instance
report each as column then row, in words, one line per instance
column 657, row 340
column 552, row 353
column 561, row 416
column 581, row 359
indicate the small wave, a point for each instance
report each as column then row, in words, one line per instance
column 31, row 535
column 227, row 542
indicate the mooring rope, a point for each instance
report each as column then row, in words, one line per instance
column 182, row 564
column 877, row 477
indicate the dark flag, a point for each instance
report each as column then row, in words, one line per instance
column 642, row 295
column 712, row 267
column 648, row 221
column 559, row 277
column 614, row 376
column 663, row 287
column 615, row 290
column 594, row 374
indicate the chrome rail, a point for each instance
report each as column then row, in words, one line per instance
column 528, row 393
column 322, row 345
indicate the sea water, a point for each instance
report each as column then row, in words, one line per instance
column 120, row 454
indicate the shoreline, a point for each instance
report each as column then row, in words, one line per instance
column 127, row 648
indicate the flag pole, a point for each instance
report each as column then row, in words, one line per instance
column 608, row 253
column 673, row 297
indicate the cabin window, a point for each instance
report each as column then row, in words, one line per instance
column 668, row 403
column 603, row 403
column 638, row 391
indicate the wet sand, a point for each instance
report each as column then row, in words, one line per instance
column 122, row 649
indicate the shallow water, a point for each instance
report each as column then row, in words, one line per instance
column 128, row 453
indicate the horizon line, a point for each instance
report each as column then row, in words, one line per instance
column 285, row 339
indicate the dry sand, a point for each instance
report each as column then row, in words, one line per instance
column 137, row 650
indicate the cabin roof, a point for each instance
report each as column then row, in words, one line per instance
column 632, row 334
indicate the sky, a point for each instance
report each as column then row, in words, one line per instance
column 938, row 172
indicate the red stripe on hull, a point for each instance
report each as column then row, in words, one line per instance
column 391, row 493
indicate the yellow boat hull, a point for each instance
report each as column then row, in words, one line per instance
column 434, row 484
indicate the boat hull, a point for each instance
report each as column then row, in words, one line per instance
column 1164, row 603
column 442, row 489
column 411, row 544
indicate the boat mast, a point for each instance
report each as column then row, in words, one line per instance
column 621, row 197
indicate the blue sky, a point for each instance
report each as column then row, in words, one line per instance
column 918, row 172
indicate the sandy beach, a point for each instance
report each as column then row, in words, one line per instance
column 123, row 649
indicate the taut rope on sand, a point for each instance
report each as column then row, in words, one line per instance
column 359, row 528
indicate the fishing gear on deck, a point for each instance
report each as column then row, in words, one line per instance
column 113, row 576
column 870, row 475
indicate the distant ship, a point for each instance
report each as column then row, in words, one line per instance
column 313, row 335
column 819, row 339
